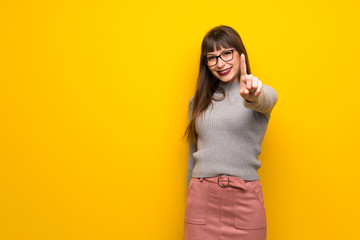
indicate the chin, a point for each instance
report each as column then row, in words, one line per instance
column 226, row 78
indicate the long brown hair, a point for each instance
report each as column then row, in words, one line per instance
column 207, row 83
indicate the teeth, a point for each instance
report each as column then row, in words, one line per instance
column 224, row 71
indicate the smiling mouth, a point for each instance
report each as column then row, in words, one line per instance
column 224, row 72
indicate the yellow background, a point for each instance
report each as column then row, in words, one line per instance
column 93, row 105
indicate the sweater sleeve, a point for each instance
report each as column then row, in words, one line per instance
column 192, row 149
column 265, row 102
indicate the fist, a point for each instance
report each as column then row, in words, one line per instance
column 250, row 86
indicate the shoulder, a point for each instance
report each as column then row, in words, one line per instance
column 190, row 108
column 268, row 88
column 270, row 91
column 191, row 100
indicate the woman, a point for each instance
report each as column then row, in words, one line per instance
column 228, row 118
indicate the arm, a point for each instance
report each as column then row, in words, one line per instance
column 192, row 149
column 257, row 96
column 191, row 163
column 265, row 102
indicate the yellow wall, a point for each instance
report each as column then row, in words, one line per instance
column 93, row 105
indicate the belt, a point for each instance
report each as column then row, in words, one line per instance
column 227, row 181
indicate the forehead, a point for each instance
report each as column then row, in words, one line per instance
column 218, row 50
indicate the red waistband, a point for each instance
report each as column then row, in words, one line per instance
column 227, row 181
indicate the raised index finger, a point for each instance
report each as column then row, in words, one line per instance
column 243, row 65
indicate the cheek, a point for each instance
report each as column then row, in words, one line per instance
column 213, row 71
column 237, row 68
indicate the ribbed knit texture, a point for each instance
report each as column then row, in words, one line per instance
column 230, row 134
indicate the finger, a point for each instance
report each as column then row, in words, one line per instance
column 243, row 66
column 249, row 79
column 254, row 85
column 243, row 89
column 259, row 88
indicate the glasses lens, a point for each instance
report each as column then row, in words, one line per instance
column 227, row 56
column 211, row 61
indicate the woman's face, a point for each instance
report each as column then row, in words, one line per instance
column 226, row 71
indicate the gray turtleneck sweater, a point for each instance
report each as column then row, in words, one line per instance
column 230, row 134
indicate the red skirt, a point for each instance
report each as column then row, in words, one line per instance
column 224, row 208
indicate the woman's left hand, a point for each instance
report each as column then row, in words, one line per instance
column 250, row 86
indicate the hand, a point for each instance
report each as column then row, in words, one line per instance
column 250, row 86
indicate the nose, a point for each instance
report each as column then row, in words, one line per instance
column 220, row 63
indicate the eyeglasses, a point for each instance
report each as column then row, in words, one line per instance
column 225, row 56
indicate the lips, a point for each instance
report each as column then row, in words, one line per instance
column 224, row 72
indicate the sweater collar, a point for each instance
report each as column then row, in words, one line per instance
column 226, row 86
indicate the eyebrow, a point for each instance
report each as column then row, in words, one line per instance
column 211, row 54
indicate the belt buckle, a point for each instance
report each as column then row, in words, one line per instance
column 221, row 185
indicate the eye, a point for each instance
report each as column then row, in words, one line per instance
column 210, row 58
column 227, row 53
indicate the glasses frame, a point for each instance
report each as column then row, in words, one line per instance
column 219, row 56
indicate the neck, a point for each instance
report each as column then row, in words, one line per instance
column 228, row 83
column 236, row 80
